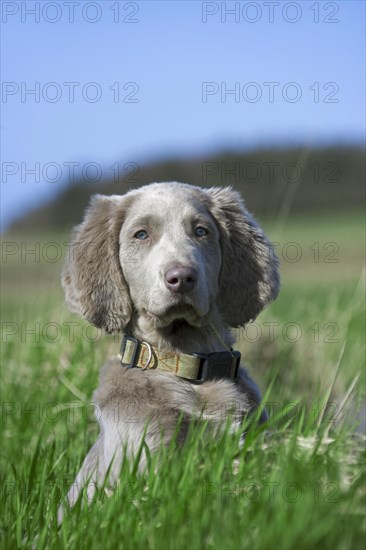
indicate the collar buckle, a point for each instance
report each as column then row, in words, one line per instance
column 222, row 364
column 135, row 352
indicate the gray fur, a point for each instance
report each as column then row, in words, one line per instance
column 116, row 282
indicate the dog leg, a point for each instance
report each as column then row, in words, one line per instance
column 92, row 472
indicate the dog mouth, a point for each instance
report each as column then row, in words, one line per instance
column 178, row 315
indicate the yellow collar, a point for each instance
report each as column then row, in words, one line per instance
column 198, row 367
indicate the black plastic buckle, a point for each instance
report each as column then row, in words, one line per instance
column 222, row 364
column 136, row 350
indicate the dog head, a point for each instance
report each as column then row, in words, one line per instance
column 169, row 252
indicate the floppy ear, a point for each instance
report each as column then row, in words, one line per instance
column 92, row 279
column 249, row 277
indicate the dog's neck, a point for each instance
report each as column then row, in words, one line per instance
column 180, row 337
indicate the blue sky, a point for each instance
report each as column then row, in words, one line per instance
column 309, row 51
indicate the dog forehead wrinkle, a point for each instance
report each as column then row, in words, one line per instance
column 170, row 200
column 161, row 191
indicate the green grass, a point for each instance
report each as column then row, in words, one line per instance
column 298, row 484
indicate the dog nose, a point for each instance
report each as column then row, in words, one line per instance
column 181, row 279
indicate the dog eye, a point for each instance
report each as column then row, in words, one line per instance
column 201, row 231
column 141, row 235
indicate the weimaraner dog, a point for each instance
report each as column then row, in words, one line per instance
column 172, row 267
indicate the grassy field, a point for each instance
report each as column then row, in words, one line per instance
column 299, row 483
